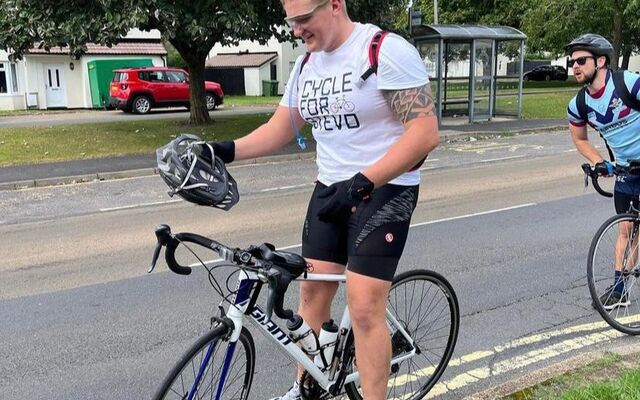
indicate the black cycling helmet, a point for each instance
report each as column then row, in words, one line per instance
column 194, row 178
column 594, row 44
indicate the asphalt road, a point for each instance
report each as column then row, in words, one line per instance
column 506, row 221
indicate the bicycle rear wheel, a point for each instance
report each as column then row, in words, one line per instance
column 206, row 358
column 426, row 305
column 617, row 299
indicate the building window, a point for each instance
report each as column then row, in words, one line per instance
column 14, row 78
column 3, row 78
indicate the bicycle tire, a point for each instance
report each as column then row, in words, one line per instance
column 441, row 332
column 179, row 381
column 600, row 266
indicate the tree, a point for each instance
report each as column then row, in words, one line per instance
column 551, row 24
column 192, row 27
column 485, row 12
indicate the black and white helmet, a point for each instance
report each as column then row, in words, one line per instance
column 594, row 44
column 194, row 178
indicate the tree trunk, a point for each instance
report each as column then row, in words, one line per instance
column 195, row 59
column 618, row 22
column 199, row 112
column 626, row 54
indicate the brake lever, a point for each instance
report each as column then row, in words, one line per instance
column 586, row 168
column 154, row 260
column 163, row 235
column 272, row 277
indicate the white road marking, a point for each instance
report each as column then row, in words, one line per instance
column 502, row 158
column 472, row 215
column 156, row 203
column 286, row 187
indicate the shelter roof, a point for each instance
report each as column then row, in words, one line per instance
column 466, row 32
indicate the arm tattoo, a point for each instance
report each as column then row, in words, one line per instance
column 408, row 104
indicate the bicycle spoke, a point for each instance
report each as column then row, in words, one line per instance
column 239, row 373
column 616, row 248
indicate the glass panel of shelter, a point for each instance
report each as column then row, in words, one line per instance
column 457, row 69
column 507, row 78
column 482, row 79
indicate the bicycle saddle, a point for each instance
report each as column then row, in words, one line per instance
column 293, row 263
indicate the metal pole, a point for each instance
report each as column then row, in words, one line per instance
column 435, row 12
column 520, row 79
column 472, row 82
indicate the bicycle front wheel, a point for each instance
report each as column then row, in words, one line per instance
column 616, row 295
column 205, row 363
column 426, row 306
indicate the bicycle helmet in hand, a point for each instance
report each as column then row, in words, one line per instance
column 595, row 44
column 182, row 167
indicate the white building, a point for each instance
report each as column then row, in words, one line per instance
column 253, row 63
column 53, row 79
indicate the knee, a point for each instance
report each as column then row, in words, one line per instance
column 315, row 292
column 365, row 316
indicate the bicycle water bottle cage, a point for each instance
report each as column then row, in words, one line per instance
column 293, row 263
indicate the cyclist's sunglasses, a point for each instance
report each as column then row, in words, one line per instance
column 305, row 17
column 579, row 61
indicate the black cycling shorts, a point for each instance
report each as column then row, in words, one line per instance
column 626, row 191
column 371, row 241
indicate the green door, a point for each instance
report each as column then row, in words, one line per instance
column 100, row 72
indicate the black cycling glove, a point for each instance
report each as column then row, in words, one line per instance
column 603, row 168
column 226, row 151
column 343, row 196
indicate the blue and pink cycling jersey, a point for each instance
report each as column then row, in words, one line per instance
column 618, row 124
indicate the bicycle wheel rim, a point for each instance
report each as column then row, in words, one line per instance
column 239, row 374
column 624, row 317
column 426, row 305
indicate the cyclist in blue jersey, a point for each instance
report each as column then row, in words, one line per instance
column 619, row 126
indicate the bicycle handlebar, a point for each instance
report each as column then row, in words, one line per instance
column 278, row 279
column 590, row 172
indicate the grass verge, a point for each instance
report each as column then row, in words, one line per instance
column 613, row 377
column 71, row 142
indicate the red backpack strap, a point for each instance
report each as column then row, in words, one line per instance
column 374, row 49
column 374, row 52
column 305, row 60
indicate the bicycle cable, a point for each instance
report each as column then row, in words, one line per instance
column 213, row 281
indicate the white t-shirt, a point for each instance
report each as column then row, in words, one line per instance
column 354, row 127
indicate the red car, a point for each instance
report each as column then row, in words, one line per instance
column 141, row 89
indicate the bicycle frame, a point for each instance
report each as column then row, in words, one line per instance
column 248, row 281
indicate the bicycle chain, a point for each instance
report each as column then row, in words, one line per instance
column 310, row 390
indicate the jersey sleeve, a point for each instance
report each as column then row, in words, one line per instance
column 400, row 65
column 290, row 96
column 573, row 115
column 632, row 81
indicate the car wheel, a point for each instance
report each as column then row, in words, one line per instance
column 141, row 104
column 211, row 101
column 547, row 78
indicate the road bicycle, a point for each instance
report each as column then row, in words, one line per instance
column 422, row 315
column 615, row 244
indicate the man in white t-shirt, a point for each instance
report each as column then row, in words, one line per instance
column 371, row 137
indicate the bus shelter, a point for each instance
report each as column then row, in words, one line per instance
column 475, row 70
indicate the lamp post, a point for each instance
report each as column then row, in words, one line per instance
column 435, row 12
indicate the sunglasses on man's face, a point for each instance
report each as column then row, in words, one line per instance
column 304, row 18
column 579, row 61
